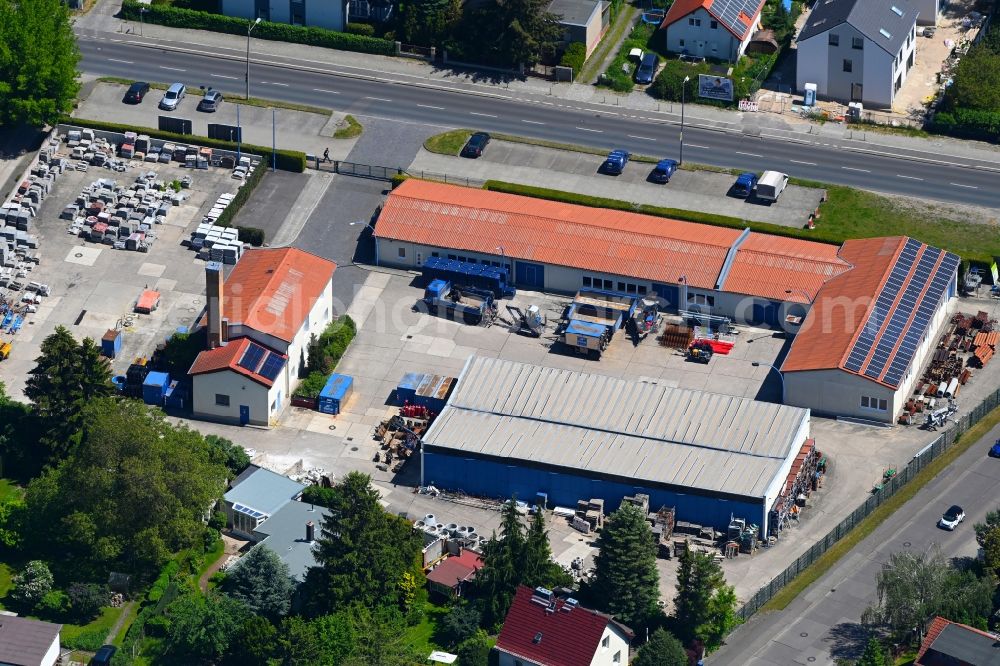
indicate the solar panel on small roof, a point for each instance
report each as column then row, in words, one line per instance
column 252, row 357
column 272, row 366
column 247, row 511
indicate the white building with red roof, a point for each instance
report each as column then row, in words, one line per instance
column 542, row 630
column 258, row 322
column 711, row 28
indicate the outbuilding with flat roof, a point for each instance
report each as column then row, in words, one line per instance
column 511, row 428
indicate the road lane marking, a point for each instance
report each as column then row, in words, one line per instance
column 532, row 122
column 643, row 138
column 854, row 169
column 173, row 69
column 328, row 92
column 223, row 76
column 695, row 145
column 127, row 62
column 899, row 175
column 801, row 162
column 970, row 187
column 748, row 154
column 275, row 83
column 584, row 129
column 484, row 115
column 379, row 99
column 428, row 106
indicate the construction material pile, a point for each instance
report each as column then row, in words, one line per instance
column 90, row 150
column 676, row 336
column 400, row 437
column 215, row 243
column 122, row 216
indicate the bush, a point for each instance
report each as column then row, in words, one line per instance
column 365, row 29
column 968, row 124
column 670, row 80
column 311, row 386
column 175, row 17
column 461, row 623
column 90, row 640
column 319, row 496
column 86, row 600
column 398, row 179
column 53, row 605
column 162, row 582
column 251, row 235
column 574, row 56
column 287, row 160
column 218, row 520
column 32, row 584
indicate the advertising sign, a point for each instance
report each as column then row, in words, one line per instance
column 715, row 87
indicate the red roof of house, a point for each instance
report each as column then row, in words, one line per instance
column 456, row 569
column 233, row 356
column 736, row 16
column 600, row 239
column 564, row 637
column 273, row 290
column 938, row 625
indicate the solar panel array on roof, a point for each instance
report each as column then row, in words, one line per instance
column 247, row 511
column 272, row 366
column 897, row 322
column 729, row 12
column 252, row 357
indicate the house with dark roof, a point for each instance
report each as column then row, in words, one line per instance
column 858, row 50
column 449, row 577
column 543, row 630
column 949, row 643
column 583, row 21
column 25, row 642
column 255, row 495
column 258, row 322
column 711, row 28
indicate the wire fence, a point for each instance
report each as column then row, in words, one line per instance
column 917, row 463
column 376, row 172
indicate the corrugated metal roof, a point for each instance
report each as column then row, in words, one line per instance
column 619, row 427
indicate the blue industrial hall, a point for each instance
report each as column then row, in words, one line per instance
column 511, row 428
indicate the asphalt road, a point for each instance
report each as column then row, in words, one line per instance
column 823, row 624
column 898, row 171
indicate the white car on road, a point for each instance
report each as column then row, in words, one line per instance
column 951, row 518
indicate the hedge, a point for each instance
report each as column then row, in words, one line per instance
column 967, row 124
column 176, row 17
column 251, row 235
column 242, row 195
column 574, row 56
column 287, row 160
column 333, row 343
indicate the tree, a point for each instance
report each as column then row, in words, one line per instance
column 977, row 80
column 33, row 583
column 874, row 654
column 429, row 22
column 626, row 582
column 988, row 538
column 38, row 58
column 475, row 650
column 497, row 580
column 461, row 622
column 663, row 649
column 380, row 639
column 133, row 491
column 233, row 456
column 86, row 600
column 201, row 628
column 262, row 582
column 362, row 553
column 253, row 644
column 536, row 560
column 511, row 32
column 66, row 378
column 705, row 607
column 910, row 589
column 324, row 641
column 18, row 440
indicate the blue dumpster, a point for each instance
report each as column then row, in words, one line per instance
column 335, row 394
column 154, row 387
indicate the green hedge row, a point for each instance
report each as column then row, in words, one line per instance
column 176, row 17
column 968, row 124
column 574, row 56
column 287, row 160
column 325, row 352
column 242, row 196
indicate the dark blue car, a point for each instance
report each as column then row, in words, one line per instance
column 995, row 450
column 615, row 162
column 743, row 187
column 663, row 171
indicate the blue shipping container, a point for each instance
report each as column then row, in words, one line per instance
column 430, row 391
column 333, row 396
column 111, row 343
column 467, row 274
column 154, row 387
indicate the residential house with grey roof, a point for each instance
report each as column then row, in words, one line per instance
column 858, row 50
column 26, row 642
column 255, row 496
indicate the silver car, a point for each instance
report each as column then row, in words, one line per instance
column 951, row 518
column 211, row 101
column 175, row 93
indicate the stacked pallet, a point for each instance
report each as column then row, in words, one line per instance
column 676, row 336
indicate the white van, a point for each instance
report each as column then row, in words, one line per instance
column 771, row 185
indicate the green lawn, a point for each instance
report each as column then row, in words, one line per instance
column 421, row 636
column 131, row 610
column 351, row 130
column 9, row 490
column 210, row 556
column 90, row 636
column 447, row 143
column 6, row 580
column 618, row 75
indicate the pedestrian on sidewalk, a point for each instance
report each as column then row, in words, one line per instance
column 326, row 155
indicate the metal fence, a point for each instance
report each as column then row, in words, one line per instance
column 387, row 173
column 917, row 463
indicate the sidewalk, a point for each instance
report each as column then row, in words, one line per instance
column 101, row 23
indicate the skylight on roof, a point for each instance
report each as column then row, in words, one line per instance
column 899, row 12
column 885, row 33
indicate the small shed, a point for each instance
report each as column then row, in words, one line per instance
column 111, row 343
column 426, row 390
column 335, row 394
column 154, row 387
column 149, row 301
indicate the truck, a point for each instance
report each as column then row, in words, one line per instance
column 591, row 321
column 467, row 304
column 770, row 185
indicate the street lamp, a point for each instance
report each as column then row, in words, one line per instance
column 780, row 376
column 683, row 99
column 368, row 225
column 142, row 10
column 250, row 28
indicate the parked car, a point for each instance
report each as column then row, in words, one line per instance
column 175, row 93
column 211, row 101
column 647, row 69
column 745, row 184
column 136, row 92
column 995, row 449
column 476, row 144
column 103, row 656
column 615, row 162
column 663, row 170
column 951, row 518
column 771, row 184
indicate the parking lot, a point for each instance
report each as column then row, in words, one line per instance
column 703, row 191
column 94, row 287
